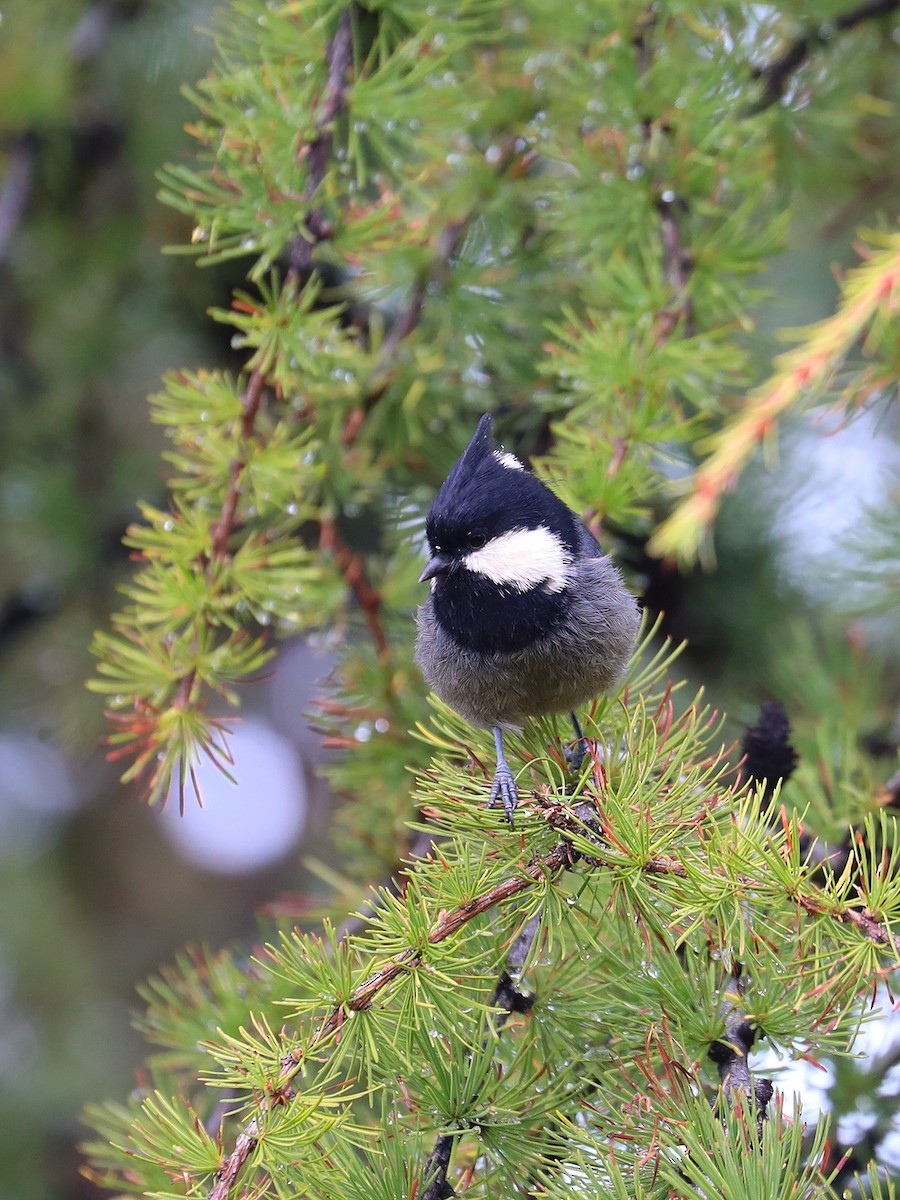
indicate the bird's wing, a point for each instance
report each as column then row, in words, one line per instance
column 590, row 547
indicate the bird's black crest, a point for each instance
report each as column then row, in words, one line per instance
column 482, row 496
column 475, row 458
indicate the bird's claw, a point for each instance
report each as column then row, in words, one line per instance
column 576, row 754
column 504, row 788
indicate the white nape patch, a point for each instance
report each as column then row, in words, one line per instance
column 508, row 460
column 523, row 559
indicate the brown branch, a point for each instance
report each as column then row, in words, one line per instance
column 541, row 867
column 436, row 1167
column 339, row 59
column 776, row 75
column 339, row 56
column 506, row 1000
column 447, row 247
column 353, row 568
column 678, row 263
column 227, row 522
column 222, row 531
column 582, row 821
column 731, row 1055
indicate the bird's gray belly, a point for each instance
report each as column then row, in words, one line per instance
column 587, row 654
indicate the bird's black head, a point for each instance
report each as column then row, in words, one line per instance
column 503, row 548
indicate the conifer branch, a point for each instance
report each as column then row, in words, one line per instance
column 731, row 1055
column 869, row 290
column 814, row 904
column 226, row 524
column 541, row 867
column 142, row 724
column 677, row 262
column 436, row 1168
column 339, row 59
column 352, row 567
column 506, row 1000
column 581, row 821
column 776, row 75
column 447, row 245
column 393, row 193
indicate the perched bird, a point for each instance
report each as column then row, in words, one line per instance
column 526, row 615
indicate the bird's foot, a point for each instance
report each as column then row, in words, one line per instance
column 504, row 788
column 576, row 754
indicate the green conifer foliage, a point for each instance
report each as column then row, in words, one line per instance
column 560, row 213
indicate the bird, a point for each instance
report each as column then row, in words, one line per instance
column 526, row 615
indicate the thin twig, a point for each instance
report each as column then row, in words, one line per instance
column 776, row 75
column 339, row 59
column 436, row 1168
column 227, row 522
column 732, row 1054
column 678, row 263
column 869, row 289
column 866, row 923
column 539, row 869
column 221, row 532
column 506, row 1000
column 447, row 246
column 353, row 568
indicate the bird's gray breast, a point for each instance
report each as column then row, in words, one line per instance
column 586, row 653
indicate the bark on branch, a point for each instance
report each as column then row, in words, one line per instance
column 776, row 75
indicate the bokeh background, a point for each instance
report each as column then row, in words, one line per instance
column 95, row 889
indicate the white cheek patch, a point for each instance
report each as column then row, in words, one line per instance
column 508, row 460
column 523, row 559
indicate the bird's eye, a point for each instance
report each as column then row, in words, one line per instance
column 477, row 540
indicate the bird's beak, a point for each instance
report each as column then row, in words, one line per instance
column 439, row 565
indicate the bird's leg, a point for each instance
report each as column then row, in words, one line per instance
column 576, row 753
column 504, row 785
